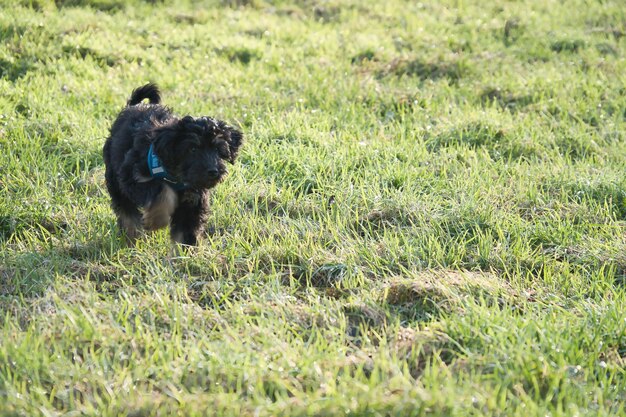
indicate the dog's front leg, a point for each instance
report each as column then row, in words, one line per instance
column 158, row 212
column 188, row 221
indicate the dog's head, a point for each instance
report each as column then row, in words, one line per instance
column 195, row 150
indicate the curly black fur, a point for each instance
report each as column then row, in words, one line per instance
column 192, row 150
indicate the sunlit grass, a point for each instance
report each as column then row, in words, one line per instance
column 427, row 217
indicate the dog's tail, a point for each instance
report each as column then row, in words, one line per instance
column 149, row 91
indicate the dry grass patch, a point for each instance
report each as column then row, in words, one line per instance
column 435, row 291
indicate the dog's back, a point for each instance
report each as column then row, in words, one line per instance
column 130, row 125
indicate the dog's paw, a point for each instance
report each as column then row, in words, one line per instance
column 130, row 227
column 184, row 238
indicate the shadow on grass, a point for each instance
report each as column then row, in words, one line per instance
column 505, row 99
column 452, row 70
column 14, row 70
column 29, row 273
column 103, row 5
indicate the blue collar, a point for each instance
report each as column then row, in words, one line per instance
column 157, row 170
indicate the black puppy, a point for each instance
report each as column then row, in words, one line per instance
column 159, row 167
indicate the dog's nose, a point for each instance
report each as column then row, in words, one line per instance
column 213, row 173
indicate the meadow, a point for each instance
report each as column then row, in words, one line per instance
column 427, row 217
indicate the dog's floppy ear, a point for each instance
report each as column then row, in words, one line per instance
column 165, row 138
column 234, row 142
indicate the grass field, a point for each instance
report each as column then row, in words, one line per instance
column 427, row 217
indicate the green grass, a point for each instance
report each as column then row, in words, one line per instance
column 427, row 217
